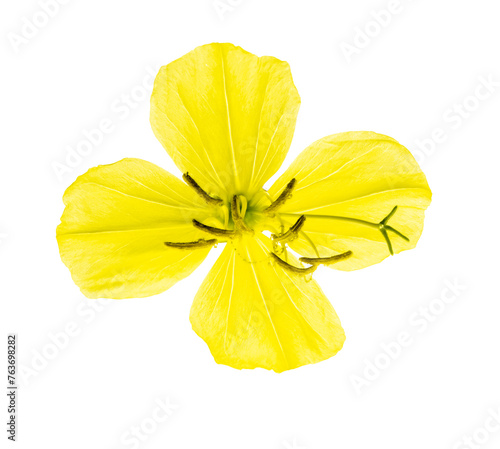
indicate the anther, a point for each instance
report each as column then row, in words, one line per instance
column 212, row 230
column 285, row 195
column 292, row 233
column 326, row 260
column 200, row 243
column 293, row 269
column 193, row 184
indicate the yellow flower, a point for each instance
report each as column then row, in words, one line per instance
column 226, row 117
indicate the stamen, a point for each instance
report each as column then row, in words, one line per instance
column 192, row 183
column 287, row 266
column 285, row 195
column 326, row 260
column 212, row 230
column 292, row 233
column 239, row 223
column 200, row 243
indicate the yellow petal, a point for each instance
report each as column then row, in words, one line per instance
column 252, row 313
column 225, row 116
column 114, row 226
column 346, row 185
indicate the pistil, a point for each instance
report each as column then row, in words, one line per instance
column 382, row 226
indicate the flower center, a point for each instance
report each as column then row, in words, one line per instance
column 238, row 209
column 241, row 218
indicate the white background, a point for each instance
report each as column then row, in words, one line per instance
column 411, row 73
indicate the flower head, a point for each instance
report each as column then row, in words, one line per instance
column 226, row 117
